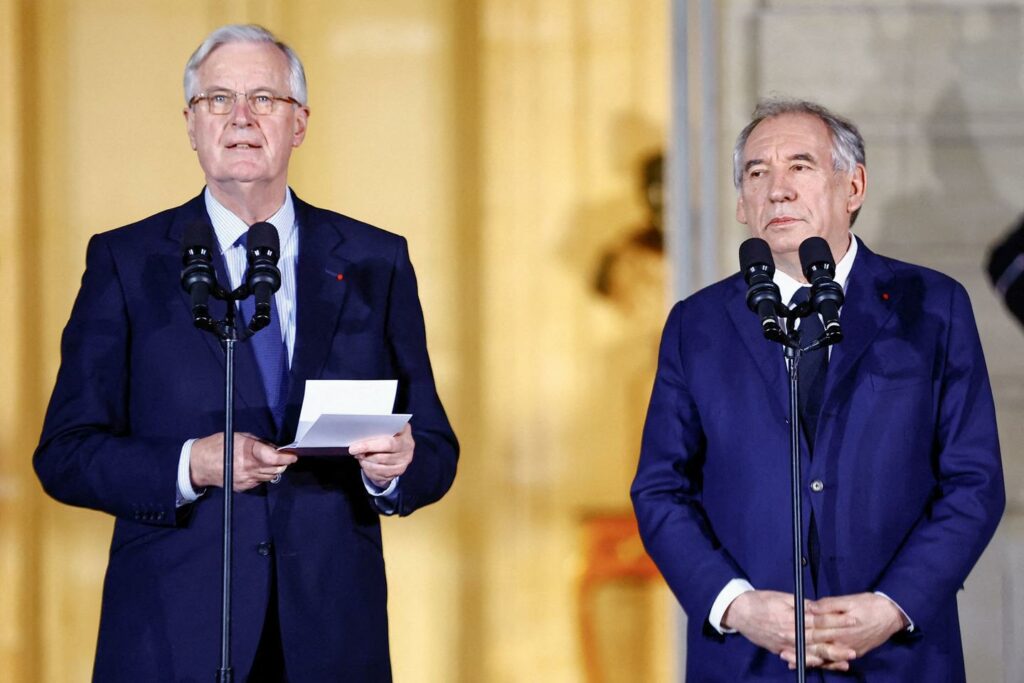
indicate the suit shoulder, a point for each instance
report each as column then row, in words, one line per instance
column 927, row 278
column 153, row 226
column 363, row 235
column 711, row 297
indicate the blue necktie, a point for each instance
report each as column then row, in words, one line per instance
column 813, row 367
column 270, row 351
column 811, row 389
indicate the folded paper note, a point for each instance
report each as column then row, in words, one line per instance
column 337, row 413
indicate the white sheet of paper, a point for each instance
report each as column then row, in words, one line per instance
column 336, row 413
column 333, row 434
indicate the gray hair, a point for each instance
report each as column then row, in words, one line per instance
column 243, row 33
column 847, row 142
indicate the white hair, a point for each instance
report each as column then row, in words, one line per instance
column 847, row 142
column 243, row 33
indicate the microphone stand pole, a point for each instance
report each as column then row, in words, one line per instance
column 793, row 353
column 226, row 331
column 229, row 338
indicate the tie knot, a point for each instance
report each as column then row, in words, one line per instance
column 800, row 296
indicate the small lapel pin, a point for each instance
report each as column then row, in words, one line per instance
column 885, row 295
column 337, row 276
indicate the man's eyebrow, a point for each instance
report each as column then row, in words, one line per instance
column 752, row 162
column 804, row 156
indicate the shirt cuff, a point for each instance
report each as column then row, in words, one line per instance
column 910, row 622
column 185, row 494
column 385, row 499
column 732, row 590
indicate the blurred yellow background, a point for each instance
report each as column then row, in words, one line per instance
column 505, row 139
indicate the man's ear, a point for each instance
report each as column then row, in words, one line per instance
column 741, row 211
column 300, row 122
column 190, row 126
column 857, row 186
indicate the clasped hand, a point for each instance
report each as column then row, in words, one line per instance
column 838, row 629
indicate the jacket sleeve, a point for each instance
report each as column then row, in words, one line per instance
column 87, row 455
column 667, row 489
column 969, row 496
column 436, row 453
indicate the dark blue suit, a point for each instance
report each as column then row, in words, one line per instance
column 906, row 448
column 137, row 380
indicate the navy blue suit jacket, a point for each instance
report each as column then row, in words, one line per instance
column 137, row 379
column 906, row 448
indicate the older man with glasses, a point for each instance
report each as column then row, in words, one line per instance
column 134, row 426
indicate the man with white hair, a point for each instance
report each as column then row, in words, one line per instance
column 134, row 426
column 903, row 483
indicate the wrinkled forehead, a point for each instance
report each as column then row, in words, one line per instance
column 787, row 135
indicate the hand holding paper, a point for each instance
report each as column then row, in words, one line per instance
column 385, row 458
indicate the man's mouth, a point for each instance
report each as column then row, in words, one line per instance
column 782, row 221
column 243, row 145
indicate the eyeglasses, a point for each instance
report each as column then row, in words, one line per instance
column 261, row 102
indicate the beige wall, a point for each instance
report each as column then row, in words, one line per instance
column 501, row 137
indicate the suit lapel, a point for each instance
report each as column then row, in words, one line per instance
column 767, row 355
column 248, row 382
column 870, row 302
column 322, row 289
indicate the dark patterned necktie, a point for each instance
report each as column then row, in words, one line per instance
column 811, row 389
column 270, row 351
column 813, row 367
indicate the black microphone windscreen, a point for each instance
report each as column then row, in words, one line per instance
column 263, row 237
column 756, row 251
column 814, row 251
column 197, row 235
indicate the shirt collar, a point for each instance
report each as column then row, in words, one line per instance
column 788, row 285
column 228, row 227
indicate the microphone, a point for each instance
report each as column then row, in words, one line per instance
column 763, row 298
column 262, row 277
column 198, row 277
column 826, row 295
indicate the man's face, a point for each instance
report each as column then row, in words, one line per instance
column 241, row 147
column 789, row 190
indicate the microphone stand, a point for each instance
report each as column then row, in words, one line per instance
column 793, row 352
column 226, row 331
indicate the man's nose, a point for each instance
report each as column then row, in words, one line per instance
column 781, row 190
column 241, row 115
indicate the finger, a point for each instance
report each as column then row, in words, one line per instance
column 827, row 605
column 380, row 444
column 830, row 620
column 832, row 652
column 392, row 459
column 268, row 456
column 382, row 471
column 790, row 658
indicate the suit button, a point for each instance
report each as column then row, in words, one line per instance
column 264, row 548
column 803, row 560
column 817, row 486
